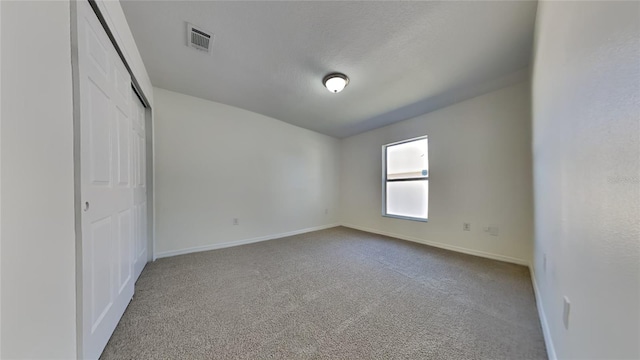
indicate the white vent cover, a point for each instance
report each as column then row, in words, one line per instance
column 199, row 39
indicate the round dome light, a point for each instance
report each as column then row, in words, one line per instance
column 335, row 82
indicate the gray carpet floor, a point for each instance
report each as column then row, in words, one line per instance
column 334, row 294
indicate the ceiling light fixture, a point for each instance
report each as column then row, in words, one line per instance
column 335, row 82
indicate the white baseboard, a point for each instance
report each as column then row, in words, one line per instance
column 546, row 332
column 240, row 242
column 444, row 246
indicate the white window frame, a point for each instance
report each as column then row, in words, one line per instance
column 385, row 180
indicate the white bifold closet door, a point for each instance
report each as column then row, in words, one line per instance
column 108, row 212
column 138, row 149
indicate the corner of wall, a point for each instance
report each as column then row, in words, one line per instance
column 546, row 331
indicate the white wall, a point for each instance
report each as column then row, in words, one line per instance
column 38, row 279
column 0, row 180
column 586, row 145
column 480, row 172
column 38, row 240
column 216, row 162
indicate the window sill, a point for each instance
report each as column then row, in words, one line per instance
column 406, row 218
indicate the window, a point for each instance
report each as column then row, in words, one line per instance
column 405, row 169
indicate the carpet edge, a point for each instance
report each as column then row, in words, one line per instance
column 228, row 244
column 459, row 249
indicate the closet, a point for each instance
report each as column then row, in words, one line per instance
column 111, row 152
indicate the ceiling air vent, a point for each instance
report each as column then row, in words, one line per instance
column 199, row 39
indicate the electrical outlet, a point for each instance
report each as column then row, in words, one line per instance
column 466, row 226
column 494, row 230
column 565, row 312
column 326, row 211
column 236, row 221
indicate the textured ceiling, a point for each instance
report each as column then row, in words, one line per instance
column 403, row 58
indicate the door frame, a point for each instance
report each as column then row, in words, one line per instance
column 150, row 154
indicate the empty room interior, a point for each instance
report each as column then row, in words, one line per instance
column 319, row 179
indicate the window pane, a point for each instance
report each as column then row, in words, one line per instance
column 408, row 198
column 408, row 160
